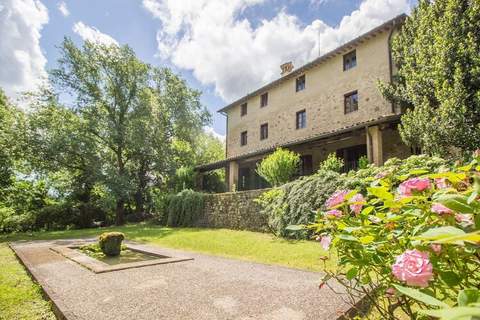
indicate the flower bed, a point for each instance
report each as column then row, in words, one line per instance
column 409, row 241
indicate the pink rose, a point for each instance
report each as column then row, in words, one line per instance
column 357, row 202
column 417, row 184
column 325, row 242
column 333, row 213
column 466, row 219
column 441, row 183
column 336, row 199
column 437, row 248
column 414, row 268
column 440, row 209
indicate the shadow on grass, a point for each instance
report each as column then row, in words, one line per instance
column 136, row 232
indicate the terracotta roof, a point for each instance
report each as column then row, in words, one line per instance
column 313, row 137
column 347, row 46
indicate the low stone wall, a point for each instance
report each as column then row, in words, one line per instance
column 233, row 210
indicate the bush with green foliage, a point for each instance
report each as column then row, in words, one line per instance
column 437, row 80
column 279, row 167
column 184, row 208
column 292, row 203
column 410, row 241
column 363, row 162
column 295, row 203
column 332, row 163
column 111, row 243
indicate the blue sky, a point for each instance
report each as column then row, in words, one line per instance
column 225, row 48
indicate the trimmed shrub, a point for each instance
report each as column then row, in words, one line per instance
column 111, row 243
column 279, row 167
column 292, row 203
column 332, row 163
column 184, row 208
column 295, row 203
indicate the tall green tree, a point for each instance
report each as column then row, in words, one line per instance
column 133, row 112
column 438, row 80
column 59, row 141
column 107, row 82
column 12, row 139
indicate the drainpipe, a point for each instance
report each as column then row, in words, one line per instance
column 226, row 133
column 390, row 59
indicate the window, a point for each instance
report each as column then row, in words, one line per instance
column 300, row 83
column 243, row 109
column 351, row 102
column 350, row 60
column 301, row 119
column 243, row 138
column 264, row 131
column 351, row 156
column 306, row 165
column 264, row 99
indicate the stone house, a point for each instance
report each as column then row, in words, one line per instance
column 331, row 104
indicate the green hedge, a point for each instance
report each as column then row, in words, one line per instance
column 184, row 208
column 296, row 202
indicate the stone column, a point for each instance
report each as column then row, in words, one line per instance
column 232, row 176
column 375, row 145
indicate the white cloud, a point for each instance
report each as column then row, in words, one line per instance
column 212, row 131
column 223, row 50
column 62, row 7
column 92, row 34
column 22, row 63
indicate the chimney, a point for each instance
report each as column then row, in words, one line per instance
column 286, row 68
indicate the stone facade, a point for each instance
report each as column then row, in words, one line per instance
column 233, row 210
column 322, row 99
column 369, row 131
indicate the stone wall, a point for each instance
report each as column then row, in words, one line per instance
column 233, row 210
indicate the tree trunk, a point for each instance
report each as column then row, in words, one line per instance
column 120, row 212
column 141, row 187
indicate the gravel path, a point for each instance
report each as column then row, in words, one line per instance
column 207, row 287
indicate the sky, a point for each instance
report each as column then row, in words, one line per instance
column 224, row 48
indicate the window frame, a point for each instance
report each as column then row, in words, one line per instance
column 243, row 138
column 243, row 109
column 347, row 58
column 262, row 102
column 264, row 131
column 304, row 119
column 345, row 98
column 303, row 80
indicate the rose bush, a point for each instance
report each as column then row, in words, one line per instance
column 409, row 241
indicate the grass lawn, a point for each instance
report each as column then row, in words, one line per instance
column 20, row 298
column 243, row 245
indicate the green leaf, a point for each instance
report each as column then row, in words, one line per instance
column 469, row 237
column 367, row 210
column 352, row 273
column 467, row 296
column 453, row 313
column 440, row 233
column 349, row 195
column 380, row 192
column 366, row 239
column 295, row 227
column 420, row 296
column 450, row 278
column 472, row 197
column 347, row 237
column 455, row 202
